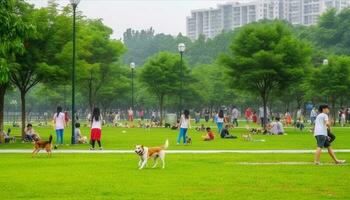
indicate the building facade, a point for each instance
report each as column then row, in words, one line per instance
column 228, row 16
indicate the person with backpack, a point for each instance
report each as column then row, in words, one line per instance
column 321, row 130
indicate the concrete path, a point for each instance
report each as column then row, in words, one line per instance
column 287, row 163
column 71, row 151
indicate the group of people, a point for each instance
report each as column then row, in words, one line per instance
column 185, row 124
column 95, row 131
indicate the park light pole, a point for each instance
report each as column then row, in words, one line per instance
column 132, row 67
column 181, row 47
column 74, row 4
column 325, row 62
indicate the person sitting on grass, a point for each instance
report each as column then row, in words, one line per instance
column 276, row 127
column 300, row 123
column 209, row 136
column 79, row 138
column 200, row 128
column 225, row 133
column 31, row 135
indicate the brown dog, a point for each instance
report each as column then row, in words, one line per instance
column 38, row 145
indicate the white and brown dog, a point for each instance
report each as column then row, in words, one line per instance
column 146, row 153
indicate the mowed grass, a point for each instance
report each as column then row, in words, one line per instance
column 187, row 176
column 127, row 138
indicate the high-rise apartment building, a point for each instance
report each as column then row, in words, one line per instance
column 228, row 16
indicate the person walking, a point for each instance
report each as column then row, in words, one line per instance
column 235, row 115
column 220, row 120
column 322, row 126
column 206, row 115
column 130, row 115
column 59, row 124
column 185, row 124
column 96, row 128
column 248, row 115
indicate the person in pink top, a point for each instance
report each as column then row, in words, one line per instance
column 141, row 114
column 248, row 114
column 130, row 115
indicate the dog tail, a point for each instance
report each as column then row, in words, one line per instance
column 50, row 139
column 166, row 144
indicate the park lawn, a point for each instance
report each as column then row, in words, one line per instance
column 123, row 138
column 186, row 176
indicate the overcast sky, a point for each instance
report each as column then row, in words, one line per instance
column 166, row 16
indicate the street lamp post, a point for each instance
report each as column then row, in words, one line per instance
column 325, row 62
column 132, row 67
column 74, row 4
column 181, row 47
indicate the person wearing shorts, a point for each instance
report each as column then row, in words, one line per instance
column 322, row 126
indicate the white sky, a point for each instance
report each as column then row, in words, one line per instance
column 166, row 16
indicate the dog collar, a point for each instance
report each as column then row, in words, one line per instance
column 141, row 153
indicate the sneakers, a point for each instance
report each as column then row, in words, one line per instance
column 92, row 148
column 339, row 162
column 317, row 163
column 100, row 148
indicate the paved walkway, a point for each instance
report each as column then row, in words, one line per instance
column 71, row 151
column 286, row 163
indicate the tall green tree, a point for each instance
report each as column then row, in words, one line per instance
column 332, row 81
column 30, row 67
column 98, row 58
column 266, row 56
column 161, row 76
column 12, row 31
column 332, row 32
column 212, row 86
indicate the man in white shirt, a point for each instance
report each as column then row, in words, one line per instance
column 235, row 115
column 322, row 125
column 261, row 115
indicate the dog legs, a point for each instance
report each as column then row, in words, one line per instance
column 162, row 157
column 48, row 152
column 36, row 151
column 140, row 162
column 155, row 162
column 143, row 164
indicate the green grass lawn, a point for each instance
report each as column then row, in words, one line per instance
column 186, row 176
column 197, row 176
column 115, row 138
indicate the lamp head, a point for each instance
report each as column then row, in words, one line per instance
column 132, row 65
column 181, row 47
column 74, row 2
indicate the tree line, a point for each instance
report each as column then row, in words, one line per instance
column 268, row 63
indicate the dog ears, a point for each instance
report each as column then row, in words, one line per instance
column 142, row 146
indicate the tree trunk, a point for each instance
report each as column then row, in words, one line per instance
column 341, row 101
column 264, row 99
column 23, row 111
column 161, row 101
column 3, row 88
column 334, row 111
